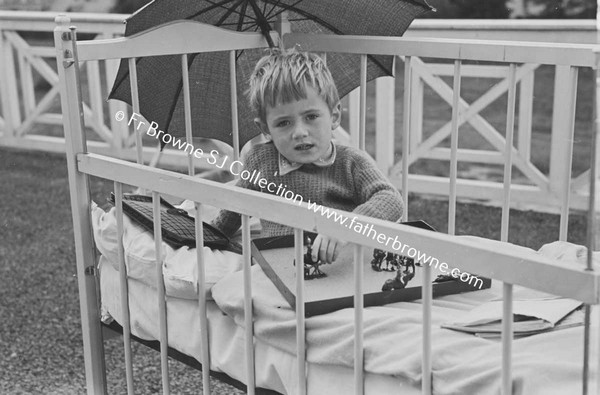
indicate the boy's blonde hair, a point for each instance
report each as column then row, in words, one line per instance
column 284, row 75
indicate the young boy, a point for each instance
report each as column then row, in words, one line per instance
column 297, row 108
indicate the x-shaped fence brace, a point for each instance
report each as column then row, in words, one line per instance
column 33, row 109
column 471, row 113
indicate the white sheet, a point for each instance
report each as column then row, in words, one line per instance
column 275, row 369
column 463, row 364
column 548, row 363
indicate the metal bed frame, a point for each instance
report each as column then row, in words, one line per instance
column 509, row 267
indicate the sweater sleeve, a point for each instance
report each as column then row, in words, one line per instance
column 378, row 198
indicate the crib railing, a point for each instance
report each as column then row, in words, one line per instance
column 510, row 266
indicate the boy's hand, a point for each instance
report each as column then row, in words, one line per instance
column 326, row 248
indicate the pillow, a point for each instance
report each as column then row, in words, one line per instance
column 179, row 266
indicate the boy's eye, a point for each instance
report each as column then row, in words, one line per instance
column 282, row 124
column 312, row 116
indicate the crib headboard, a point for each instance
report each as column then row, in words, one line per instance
column 507, row 263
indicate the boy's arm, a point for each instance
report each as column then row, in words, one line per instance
column 227, row 222
column 378, row 197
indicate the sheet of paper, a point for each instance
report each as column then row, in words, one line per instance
column 550, row 310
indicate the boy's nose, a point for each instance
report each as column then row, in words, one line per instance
column 300, row 132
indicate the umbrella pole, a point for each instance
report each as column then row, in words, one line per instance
column 283, row 26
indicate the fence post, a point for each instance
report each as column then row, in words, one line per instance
column 8, row 88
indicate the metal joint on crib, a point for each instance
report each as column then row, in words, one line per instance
column 68, row 59
column 90, row 271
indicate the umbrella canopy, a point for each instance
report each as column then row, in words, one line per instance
column 160, row 78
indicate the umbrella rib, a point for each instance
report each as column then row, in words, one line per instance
column 262, row 22
column 318, row 20
column 270, row 13
column 242, row 16
column 212, row 7
column 230, row 11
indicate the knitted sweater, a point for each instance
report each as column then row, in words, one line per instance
column 352, row 183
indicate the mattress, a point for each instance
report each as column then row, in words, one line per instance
column 274, row 368
column 548, row 363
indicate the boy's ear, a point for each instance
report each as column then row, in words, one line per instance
column 262, row 126
column 336, row 116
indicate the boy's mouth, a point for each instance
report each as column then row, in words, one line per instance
column 303, row 147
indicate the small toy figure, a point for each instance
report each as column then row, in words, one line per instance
column 443, row 278
column 378, row 256
column 311, row 268
column 391, row 264
column 404, row 274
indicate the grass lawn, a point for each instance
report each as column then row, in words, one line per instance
column 40, row 334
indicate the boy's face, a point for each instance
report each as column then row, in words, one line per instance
column 302, row 130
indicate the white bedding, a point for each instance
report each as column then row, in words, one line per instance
column 547, row 363
column 275, row 369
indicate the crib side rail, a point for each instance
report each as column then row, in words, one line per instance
column 511, row 264
column 166, row 40
column 579, row 55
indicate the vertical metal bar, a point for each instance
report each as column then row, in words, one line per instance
column 135, row 100
column 354, row 116
column 234, row 107
column 70, row 96
column 384, row 118
column 507, row 338
column 358, row 321
column 300, row 324
column 416, row 105
column 568, row 146
column 591, row 226
column 160, row 287
column 363, row 102
column 187, row 110
column 406, row 132
column 426, row 382
column 95, row 91
column 525, row 114
column 124, row 288
column 454, row 148
column 120, row 130
column 560, row 147
column 507, row 317
column 510, row 128
column 249, row 333
column 586, row 345
column 205, row 351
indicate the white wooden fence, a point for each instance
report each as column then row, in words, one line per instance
column 25, row 113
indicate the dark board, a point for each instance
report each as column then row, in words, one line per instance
column 275, row 256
